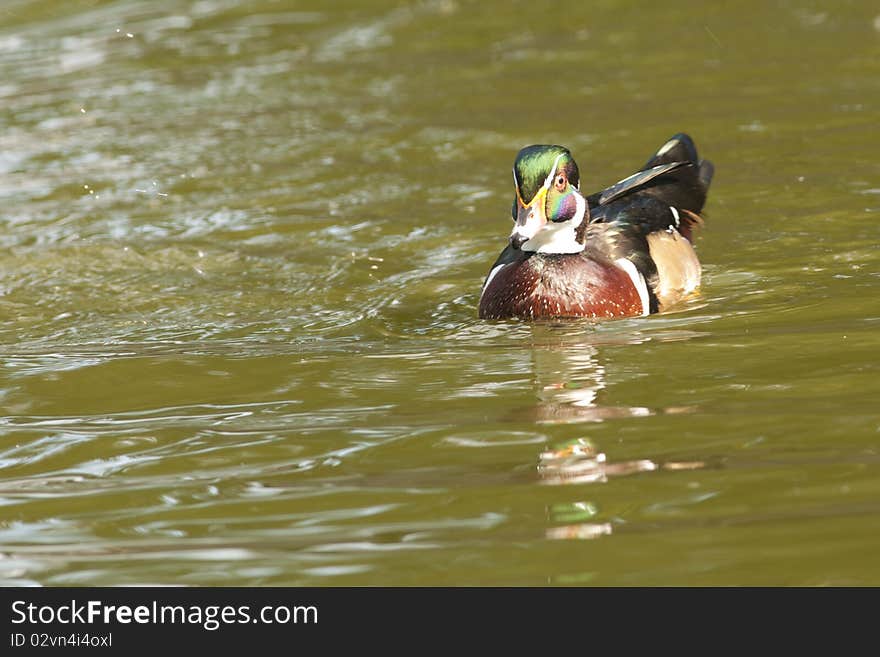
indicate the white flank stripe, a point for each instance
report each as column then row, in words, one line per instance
column 490, row 277
column 638, row 282
column 675, row 214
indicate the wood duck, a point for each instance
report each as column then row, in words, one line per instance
column 624, row 251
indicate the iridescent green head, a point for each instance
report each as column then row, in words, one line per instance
column 534, row 163
column 548, row 207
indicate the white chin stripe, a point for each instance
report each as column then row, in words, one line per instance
column 638, row 282
column 555, row 238
column 559, row 237
column 531, row 228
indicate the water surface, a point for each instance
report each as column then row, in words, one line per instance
column 240, row 259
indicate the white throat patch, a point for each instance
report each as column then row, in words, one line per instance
column 559, row 237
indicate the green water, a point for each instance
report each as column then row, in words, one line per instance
column 241, row 246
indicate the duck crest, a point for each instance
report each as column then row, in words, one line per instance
column 532, row 164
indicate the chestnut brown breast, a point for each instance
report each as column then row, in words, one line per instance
column 567, row 285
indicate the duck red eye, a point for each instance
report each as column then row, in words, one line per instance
column 560, row 183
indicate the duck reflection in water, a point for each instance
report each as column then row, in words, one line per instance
column 569, row 379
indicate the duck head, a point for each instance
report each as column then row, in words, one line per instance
column 548, row 209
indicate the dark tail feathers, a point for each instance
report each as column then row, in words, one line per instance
column 678, row 148
column 685, row 187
